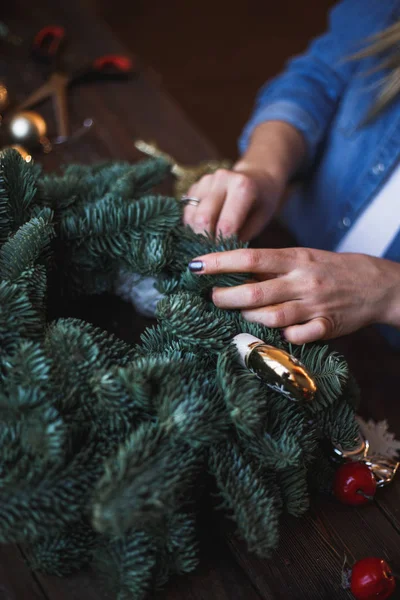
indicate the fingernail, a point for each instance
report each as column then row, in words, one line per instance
column 195, row 266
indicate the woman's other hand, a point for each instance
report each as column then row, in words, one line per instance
column 243, row 200
column 233, row 202
column 310, row 294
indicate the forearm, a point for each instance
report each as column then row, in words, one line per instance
column 275, row 148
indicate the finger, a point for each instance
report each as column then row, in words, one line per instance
column 254, row 295
column 190, row 216
column 189, row 210
column 211, row 192
column 278, row 315
column 255, row 260
column 240, row 197
column 320, row 328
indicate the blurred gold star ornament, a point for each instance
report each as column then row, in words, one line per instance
column 186, row 175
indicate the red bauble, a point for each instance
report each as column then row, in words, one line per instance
column 371, row 578
column 354, row 483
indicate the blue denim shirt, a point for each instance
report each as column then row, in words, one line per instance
column 326, row 98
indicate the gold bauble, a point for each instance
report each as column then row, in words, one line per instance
column 27, row 128
column 22, row 151
column 279, row 369
column 186, row 175
column 383, row 468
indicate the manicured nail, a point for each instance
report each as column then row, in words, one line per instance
column 195, row 266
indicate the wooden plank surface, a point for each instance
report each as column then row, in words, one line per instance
column 16, row 581
column 308, row 562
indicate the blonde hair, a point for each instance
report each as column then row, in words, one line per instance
column 385, row 44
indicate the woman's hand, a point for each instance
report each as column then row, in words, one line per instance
column 311, row 294
column 234, row 202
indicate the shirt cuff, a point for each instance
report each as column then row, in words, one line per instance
column 289, row 112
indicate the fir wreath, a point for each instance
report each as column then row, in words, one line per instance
column 103, row 443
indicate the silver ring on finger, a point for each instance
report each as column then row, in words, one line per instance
column 192, row 200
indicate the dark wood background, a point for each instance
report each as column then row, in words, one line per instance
column 213, row 55
column 211, row 58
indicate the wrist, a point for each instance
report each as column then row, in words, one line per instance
column 276, row 149
column 263, row 171
column 267, row 179
column 390, row 314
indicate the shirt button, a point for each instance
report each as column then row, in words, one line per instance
column 378, row 168
column 344, row 223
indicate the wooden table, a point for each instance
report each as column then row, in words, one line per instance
column 307, row 565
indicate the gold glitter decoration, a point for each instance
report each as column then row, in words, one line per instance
column 186, row 175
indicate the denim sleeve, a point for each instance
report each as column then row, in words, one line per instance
column 308, row 92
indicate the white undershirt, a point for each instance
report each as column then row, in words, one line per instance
column 375, row 229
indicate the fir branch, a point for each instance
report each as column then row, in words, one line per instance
column 328, row 369
column 249, row 497
column 182, row 546
column 143, row 482
column 27, row 369
column 128, row 565
column 76, row 351
column 141, row 178
column 145, row 378
column 274, row 452
column 193, row 410
column 188, row 316
column 148, row 256
column 18, row 319
column 109, row 216
column 78, row 185
column 159, row 338
column 338, row 423
column 61, row 497
column 321, row 475
column 43, row 434
column 63, row 552
column 34, row 282
column 5, row 220
column 244, row 396
column 284, row 417
column 116, row 351
column 294, row 490
column 19, row 183
column 123, row 398
column 27, row 246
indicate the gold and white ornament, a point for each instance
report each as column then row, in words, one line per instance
column 279, row 369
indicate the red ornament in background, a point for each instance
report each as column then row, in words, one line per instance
column 354, row 484
column 372, row 578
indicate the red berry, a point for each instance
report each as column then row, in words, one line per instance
column 354, row 483
column 372, row 578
